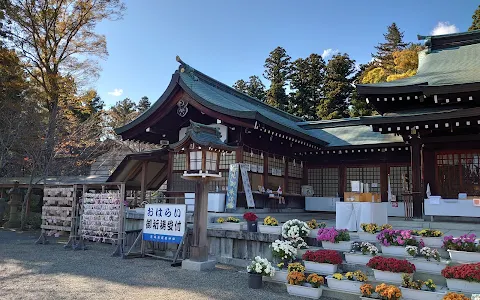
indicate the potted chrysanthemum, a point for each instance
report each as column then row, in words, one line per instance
column 314, row 227
column 308, row 287
column 322, row 261
column 390, row 269
column 428, row 261
column 464, row 249
column 270, row 225
column 394, row 241
column 283, row 253
column 463, row 278
column 417, row 289
column 251, row 219
column 334, row 239
column 259, row 267
column 369, row 231
column 361, row 253
column 431, row 237
column 349, row 282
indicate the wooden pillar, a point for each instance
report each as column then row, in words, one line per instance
column 239, row 155
column 342, row 180
column 199, row 248
column 265, row 170
column 429, row 170
column 169, row 172
column 416, row 161
column 384, row 182
column 143, row 182
column 285, row 178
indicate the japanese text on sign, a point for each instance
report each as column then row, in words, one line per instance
column 164, row 223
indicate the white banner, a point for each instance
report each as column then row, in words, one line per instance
column 164, row 223
column 246, row 186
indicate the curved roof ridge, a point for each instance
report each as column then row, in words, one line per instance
column 228, row 89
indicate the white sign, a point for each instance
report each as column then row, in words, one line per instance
column 355, row 186
column 164, row 223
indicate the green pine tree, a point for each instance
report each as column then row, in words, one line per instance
column 143, row 104
column 476, row 20
column 306, row 80
column 256, row 88
column 337, row 88
column 393, row 42
column 277, row 70
column 358, row 105
column 241, row 86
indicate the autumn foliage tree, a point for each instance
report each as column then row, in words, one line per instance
column 56, row 42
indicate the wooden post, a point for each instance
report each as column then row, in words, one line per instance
column 416, row 148
column 342, row 182
column 199, row 248
column 143, row 182
column 384, row 182
column 169, row 172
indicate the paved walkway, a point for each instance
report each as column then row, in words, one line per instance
column 29, row 271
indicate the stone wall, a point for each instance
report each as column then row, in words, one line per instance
column 238, row 248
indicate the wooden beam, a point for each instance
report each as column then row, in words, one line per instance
column 133, row 172
column 384, row 182
column 169, row 172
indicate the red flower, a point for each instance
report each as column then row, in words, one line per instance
column 323, row 257
column 249, row 216
column 391, row 265
column 469, row 272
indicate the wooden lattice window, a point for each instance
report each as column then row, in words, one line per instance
column 179, row 162
column 294, row 186
column 458, row 172
column 295, row 168
column 277, row 163
column 396, row 179
column 226, row 159
column 255, row 159
column 369, row 175
column 181, row 185
column 324, row 181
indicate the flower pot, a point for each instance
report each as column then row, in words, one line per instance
column 346, row 285
column 367, row 237
column 313, row 233
column 388, row 276
column 231, row 226
column 270, row 229
column 394, row 251
column 463, row 286
column 428, row 266
column 357, row 258
column 319, row 268
column 464, row 256
column 303, row 291
column 343, row 246
column 280, row 276
column 252, row 226
column 432, row 242
column 411, row 294
column 255, row 281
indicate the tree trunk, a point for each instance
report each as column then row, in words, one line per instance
column 26, row 200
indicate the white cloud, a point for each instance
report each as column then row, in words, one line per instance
column 327, row 53
column 116, row 92
column 444, row 28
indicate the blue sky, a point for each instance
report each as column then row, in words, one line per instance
column 230, row 40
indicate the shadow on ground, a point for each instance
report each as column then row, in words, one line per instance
column 51, row 272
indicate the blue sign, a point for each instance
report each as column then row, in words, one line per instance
column 164, row 223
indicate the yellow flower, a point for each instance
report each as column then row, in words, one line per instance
column 296, row 267
column 220, row 220
column 312, row 224
column 271, row 221
column 366, row 289
column 337, row 276
column 349, row 275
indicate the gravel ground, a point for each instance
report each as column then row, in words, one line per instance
column 29, row 271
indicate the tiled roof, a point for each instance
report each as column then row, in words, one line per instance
column 354, row 136
column 451, row 60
